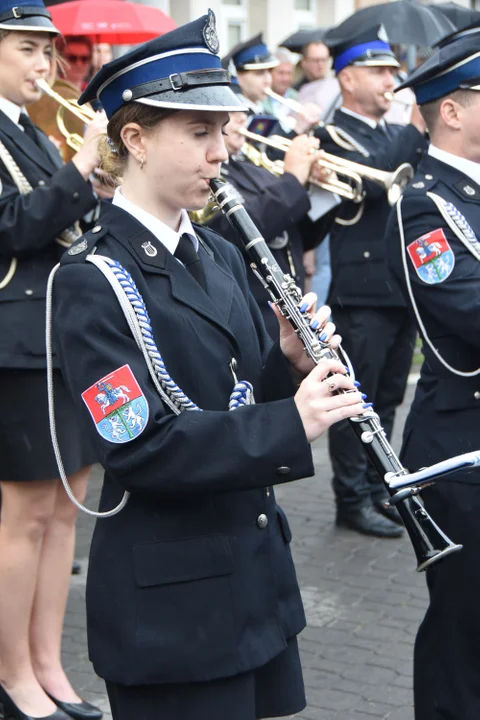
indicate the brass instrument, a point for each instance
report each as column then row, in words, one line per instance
column 393, row 182
column 85, row 113
column 393, row 98
column 292, row 104
column 352, row 192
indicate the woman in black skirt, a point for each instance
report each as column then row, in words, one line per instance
column 192, row 601
column 39, row 200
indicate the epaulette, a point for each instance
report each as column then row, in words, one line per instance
column 85, row 245
column 422, row 182
column 344, row 140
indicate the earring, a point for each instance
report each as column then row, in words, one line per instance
column 142, row 162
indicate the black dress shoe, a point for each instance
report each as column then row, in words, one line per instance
column 389, row 511
column 9, row 711
column 81, row 711
column 365, row 519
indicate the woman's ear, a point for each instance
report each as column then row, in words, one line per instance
column 133, row 138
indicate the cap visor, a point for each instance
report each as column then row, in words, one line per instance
column 215, row 97
column 37, row 23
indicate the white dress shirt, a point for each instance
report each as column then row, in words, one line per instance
column 164, row 234
column 12, row 110
column 467, row 167
column 372, row 123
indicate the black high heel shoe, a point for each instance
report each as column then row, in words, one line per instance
column 9, row 711
column 80, row 711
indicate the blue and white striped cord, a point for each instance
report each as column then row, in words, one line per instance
column 168, row 389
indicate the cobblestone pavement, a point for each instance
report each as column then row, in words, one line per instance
column 363, row 600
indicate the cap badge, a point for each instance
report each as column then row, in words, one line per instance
column 382, row 34
column 149, row 249
column 210, row 33
column 469, row 190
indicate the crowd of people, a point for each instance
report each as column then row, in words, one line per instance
column 175, row 372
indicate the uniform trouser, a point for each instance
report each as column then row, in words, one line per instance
column 380, row 343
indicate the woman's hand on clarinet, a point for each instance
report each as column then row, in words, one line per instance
column 318, row 404
column 291, row 344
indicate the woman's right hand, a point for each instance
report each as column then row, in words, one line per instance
column 318, row 407
column 88, row 158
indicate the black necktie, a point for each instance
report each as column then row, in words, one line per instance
column 29, row 127
column 187, row 254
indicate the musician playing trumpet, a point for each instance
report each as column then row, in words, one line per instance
column 279, row 206
column 40, row 199
column 366, row 302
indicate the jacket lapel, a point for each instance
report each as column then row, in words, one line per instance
column 26, row 145
column 153, row 257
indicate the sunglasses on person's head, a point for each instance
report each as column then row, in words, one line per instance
column 72, row 58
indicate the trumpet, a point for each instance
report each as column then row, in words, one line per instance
column 294, row 105
column 393, row 182
column 85, row 113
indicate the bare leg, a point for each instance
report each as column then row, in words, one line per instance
column 27, row 508
column 52, row 591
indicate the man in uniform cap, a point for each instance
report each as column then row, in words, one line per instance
column 434, row 253
column 366, row 303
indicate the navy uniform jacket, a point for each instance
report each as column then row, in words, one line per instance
column 188, row 582
column 278, row 206
column 444, row 420
column 29, row 225
column 360, row 276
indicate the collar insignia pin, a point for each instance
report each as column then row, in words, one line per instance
column 78, row 248
column 418, row 185
column 210, row 33
column 149, row 249
column 469, row 190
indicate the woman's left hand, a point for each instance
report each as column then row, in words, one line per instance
column 291, row 344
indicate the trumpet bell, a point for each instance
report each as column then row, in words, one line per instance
column 398, row 182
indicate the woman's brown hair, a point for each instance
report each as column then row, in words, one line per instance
column 113, row 152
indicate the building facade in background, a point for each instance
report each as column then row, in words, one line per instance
column 239, row 19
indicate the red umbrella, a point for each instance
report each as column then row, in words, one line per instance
column 117, row 22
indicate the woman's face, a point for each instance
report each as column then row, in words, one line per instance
column 182, row 153
column 25, row 57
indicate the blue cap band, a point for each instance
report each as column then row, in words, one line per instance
column 447, row 82
column 347, row 57
column 244, row 57
column 111, row 95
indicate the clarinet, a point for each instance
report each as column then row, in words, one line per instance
column 429, row 542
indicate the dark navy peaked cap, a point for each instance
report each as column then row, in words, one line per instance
column 370, row 48
column 467, row 31
column 251, row 54
column 26, row 15
column 455, row 66
column 178, row 70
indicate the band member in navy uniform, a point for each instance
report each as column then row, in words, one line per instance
column 434, row 252
column 40, row 199
column 366, row 302
column 192, row 602
column 279, row 207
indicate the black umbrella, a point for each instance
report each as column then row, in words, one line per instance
column 457, row 14
column 299, row 39
column 405, row 22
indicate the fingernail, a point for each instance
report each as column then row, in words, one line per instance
column 363, row 396
column 323, row 336
column 356, row 383
column 303, row 307
column 315, row 324
column 367, row 405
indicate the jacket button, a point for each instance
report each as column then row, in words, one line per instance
column 29, row 292
column 262, row 521
column 42, row 183
column 366, row 254
column 76, row 195
column 96, row 229
column 283, row 470
column 476, row 395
